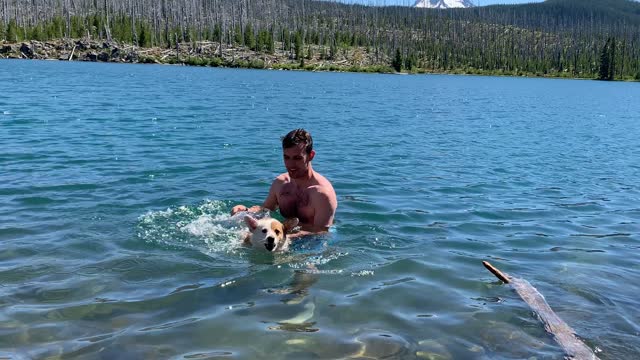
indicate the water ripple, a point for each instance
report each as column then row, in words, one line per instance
column 106, row 228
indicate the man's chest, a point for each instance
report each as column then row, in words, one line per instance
column 294, row 201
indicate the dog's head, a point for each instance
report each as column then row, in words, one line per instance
column 269, row 234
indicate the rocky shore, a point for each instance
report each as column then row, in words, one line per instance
column 198, row 54
column 70, row 50
column 206, row 53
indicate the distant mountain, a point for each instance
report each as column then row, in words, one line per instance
column 443, row 4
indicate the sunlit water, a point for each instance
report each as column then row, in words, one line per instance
column 116, row 182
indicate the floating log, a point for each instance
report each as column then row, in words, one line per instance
column 564, row 335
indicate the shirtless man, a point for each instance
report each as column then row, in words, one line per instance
column 300, row 192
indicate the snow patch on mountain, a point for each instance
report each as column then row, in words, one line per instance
column 443, row 4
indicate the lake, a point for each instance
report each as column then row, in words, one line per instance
column 117, row 181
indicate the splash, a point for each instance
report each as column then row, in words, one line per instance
column 207, row 227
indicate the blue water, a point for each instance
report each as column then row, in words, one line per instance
column 116, row 182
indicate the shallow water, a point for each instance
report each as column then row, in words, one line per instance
column 117, row 180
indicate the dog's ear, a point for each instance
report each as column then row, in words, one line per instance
column 289, row 224
column 251, row 222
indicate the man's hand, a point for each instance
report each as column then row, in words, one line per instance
column 302, row 233
column 238, row 208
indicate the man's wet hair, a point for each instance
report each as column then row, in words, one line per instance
column 297, row 137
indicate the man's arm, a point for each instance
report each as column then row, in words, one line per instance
column 325, row 208
column 271, row 202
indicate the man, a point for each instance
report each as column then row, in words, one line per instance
column 300, row 192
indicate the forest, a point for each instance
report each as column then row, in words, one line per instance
column 561, row 38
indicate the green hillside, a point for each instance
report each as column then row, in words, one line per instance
column 572, row 38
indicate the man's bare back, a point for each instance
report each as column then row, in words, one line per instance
column 300, row 192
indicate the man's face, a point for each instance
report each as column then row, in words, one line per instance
column 296, row 160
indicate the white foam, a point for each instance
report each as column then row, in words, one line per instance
column 202, row 226
column 207, row 227
column 213, row 228
column 363, row 273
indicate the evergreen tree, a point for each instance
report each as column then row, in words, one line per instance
column 298, row 45
column 143, row 36
column 12, row 31
column 38, row 33
column 286, row 40
column 237, row 37
column 217, row 33
column 77, row 27
column 603, row 74
column 612, row 59
column 249, row 37
column 271, row 45
column 95, row 26
column 397, row 61
column 411, row 61
column 333, row 50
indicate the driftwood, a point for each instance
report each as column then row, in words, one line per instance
column 563, row 334
column 72, row 51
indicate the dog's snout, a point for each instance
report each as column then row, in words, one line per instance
column 271, row 243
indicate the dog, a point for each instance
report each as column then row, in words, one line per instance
column 269, row 233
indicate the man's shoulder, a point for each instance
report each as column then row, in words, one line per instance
column 323, row 184
column 323, row 189
column 281, row 180
column 284, row 177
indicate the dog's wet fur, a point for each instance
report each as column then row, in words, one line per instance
column 268, row 233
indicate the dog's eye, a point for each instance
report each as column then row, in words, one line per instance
column 264, row 231
column 277, row 232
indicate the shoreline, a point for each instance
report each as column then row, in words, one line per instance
column 209, row 54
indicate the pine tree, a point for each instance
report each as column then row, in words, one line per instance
column 286, row 40
column 411, row 61
column 249, row 37
column 333, row 50
column 217, row 32
column 271, row 45
column 397, row 61
column 309, row 52
column 603, row 74
column 237, row 37
column 612, row 59
column 298, row 44
column 12, row 31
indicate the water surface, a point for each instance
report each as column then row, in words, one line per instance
column 117, row 180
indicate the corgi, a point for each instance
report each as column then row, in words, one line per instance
column 269, row 233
